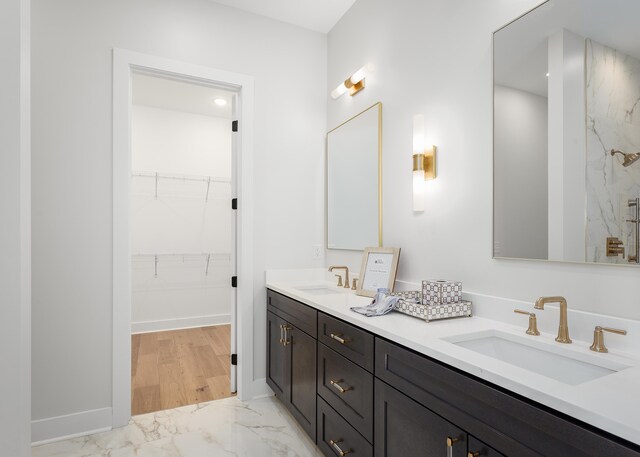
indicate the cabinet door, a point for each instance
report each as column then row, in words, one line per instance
column 301, row 377
column 276, row 355
column 478, row 449
column 406, row 428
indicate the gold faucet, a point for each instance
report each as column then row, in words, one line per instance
column 346, row 274
column 563, row 328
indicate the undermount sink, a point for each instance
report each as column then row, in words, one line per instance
column 551, row 361
column 319, row 290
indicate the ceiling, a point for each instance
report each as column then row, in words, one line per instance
column 318, row 15
column 180, row 96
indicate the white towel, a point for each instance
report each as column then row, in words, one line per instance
column 381, row 304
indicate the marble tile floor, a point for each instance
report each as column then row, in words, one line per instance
column 225, row 428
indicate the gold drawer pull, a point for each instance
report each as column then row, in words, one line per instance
column 286, row 329
column 339, row 338
column 338, row 387
column 473, row 454
column 337, row 448
column 450, row 442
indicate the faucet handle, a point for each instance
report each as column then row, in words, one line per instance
column 533, row 322
column 339, row 280
column 354, row 284
column 598, row 338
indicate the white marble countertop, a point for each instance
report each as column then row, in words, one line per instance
column 611, row 403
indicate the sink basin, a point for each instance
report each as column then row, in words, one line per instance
column 319, row 290
column 547, row 360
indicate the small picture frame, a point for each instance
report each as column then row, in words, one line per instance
column 378, row 270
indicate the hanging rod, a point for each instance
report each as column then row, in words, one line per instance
column 184, row 254
column 206, row 256
column 196, row 178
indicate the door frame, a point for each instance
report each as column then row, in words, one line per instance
column 124, row 64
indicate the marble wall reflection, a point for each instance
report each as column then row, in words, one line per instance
column 613, row 122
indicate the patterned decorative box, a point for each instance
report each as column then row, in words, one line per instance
column 441, row 292
column 411, row 304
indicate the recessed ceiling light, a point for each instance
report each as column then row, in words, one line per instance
column 547, row 75
column 220, row 101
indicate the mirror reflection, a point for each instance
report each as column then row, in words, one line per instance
column 354, row 154
column 567, row 133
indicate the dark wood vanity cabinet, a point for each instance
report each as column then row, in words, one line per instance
column 291, row 363
column 362, row 395
column 404, row 427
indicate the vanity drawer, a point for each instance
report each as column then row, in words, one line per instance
column 509, row 423
column 302, row 316
column 335, row 435
column 347, row 388
column 352, row 342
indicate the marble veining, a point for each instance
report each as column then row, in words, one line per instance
column 225, row 428
column 613, row 122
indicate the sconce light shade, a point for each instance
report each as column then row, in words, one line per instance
column 418, row 191
column 424, row 163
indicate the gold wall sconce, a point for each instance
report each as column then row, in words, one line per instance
column 353, row 84
column 424, row 162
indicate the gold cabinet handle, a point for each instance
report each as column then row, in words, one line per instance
column 339, row 338
column 450, row 443
column 342, row 453
column 473, row 454
column 336, row 385
column 286, row 329
column 282, row 334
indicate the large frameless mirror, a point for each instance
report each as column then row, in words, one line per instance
column 567, row 133
column 353, row 184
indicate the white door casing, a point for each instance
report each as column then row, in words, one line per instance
column 124, row 63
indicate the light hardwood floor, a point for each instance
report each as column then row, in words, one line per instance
column 179, row 367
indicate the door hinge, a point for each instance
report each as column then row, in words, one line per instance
column 234, row 281
column 234, row 203
column 234, row 359
column 234, row 126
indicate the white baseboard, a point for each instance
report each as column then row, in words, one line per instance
column 261, row 389
column 180, row 323
column 44, row 431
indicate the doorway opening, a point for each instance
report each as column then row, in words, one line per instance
column 182, row 238
column 125, row 65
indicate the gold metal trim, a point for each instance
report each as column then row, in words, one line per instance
column 614, row 247
column 326, row 178
column 354, row 88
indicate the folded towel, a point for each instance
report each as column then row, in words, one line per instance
column 381, row 304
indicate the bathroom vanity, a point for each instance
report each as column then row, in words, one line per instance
column 397, row 386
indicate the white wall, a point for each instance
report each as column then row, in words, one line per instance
column 15, row 236
column 521, row 174
column 183, row 219
column 72, row 87
column 435, row 58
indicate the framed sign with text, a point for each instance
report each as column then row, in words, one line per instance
column 378, row 270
